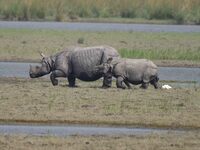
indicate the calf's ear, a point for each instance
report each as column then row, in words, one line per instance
column 109, row 60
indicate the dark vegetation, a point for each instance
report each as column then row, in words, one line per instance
column 187, row 11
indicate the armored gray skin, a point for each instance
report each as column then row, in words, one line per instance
column 135, row 71
column 75, row 63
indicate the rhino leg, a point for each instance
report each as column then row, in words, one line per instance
column 144, row 85
column 119, row 83
column 71, row 80
column 107, row 81
column 127, row 84
column 55, row 74
column 155, row 83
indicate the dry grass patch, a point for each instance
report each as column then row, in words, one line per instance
column 169, row 141
column 36, row 100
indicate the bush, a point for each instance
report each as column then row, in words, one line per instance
column 80, row 40
column 16, row 11
column 128, row 13
column 187, row 11
column 37, row 11
column 162, row 12
column 179, row 17
column 196, row 15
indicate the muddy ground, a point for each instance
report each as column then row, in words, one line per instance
column 168, row 141
column 37, row 101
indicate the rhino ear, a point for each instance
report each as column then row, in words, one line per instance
column 109, row 60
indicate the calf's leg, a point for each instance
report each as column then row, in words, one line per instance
column 107, row 81
column 127, row 84
column 144, row 85
column 119, row 83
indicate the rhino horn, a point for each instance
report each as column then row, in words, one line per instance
column 41, row 54
column 31, row 68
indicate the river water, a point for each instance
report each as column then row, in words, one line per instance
column 99, row 26
column 68, row 130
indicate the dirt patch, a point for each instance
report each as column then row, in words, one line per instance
column 172, row 141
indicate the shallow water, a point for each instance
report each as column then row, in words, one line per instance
column 13, row 69
column 179, row 74
column 42, row 130
column 99, row 26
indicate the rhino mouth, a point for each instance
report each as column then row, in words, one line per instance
column 32, row 75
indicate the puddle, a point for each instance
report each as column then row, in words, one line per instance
column 44, row 130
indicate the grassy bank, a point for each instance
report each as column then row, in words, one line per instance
column 37, row 101
column 180, row 11
column 24, row 44
column 172, row 141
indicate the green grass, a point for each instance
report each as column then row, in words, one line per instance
column 62, row 10
column 24, row 44
column 168, row 54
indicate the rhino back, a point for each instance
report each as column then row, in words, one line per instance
column 134, row 70
column 84, row 60
column 110, row 52
column 130, row 70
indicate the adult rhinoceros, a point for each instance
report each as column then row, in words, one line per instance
column 75, row 63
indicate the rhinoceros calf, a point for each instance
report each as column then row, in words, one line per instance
column 135, row 71
column 75, row 63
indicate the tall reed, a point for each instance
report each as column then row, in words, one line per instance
column 180, row 10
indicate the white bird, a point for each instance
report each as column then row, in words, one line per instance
column 166, row 87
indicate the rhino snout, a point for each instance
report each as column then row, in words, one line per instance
column 31, row 74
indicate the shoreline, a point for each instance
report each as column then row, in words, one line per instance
column 90, row 123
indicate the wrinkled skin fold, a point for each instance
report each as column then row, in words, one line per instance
column 75, row 63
